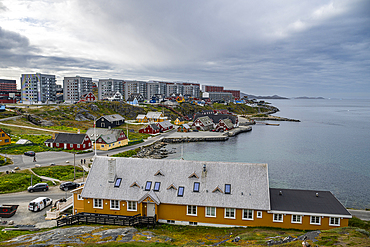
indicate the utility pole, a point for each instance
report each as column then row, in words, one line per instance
column 94, row 136
column 74, row 166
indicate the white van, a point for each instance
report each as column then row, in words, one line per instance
column 39, row 203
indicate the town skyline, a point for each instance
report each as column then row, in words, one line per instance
column 291, row 49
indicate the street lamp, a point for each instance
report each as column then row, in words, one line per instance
column 94, row 136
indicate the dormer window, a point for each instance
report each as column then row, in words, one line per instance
column 159, row 173
column 227, row 188
column 196, row 187
column 157, row 185
column 218, row 189
column 118, row 182
column 181, row 191
column 134, row 185
column 194, row 175
column 173, row 187
column 148, row 185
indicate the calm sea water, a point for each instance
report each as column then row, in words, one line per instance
column 328, row 150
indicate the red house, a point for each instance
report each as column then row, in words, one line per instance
column 88, row 97
column 165, row 125
column 70, row 141
column 224, row 124
column 150, row 129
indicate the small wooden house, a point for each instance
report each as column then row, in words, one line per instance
column 184, row 128
column 165, row 125
column 179, row 121
column 224, row 124
column 110, row 121
column 69, row 141
column 155, row 116
column 107, row 139
column 203, row 123
column 150, row 129
column 88, row 97
column 141, row 118
column 4, row 138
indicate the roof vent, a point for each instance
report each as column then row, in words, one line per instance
column 205, row 168
column 280, row 193
column 317, row 194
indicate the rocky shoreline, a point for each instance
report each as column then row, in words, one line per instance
column 273, row 118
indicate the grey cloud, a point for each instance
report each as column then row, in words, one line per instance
column 3, row 7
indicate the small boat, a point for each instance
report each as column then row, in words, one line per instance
column 272, row 124
column 7, row 211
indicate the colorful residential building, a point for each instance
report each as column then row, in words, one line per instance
column 4, row 138
column 221, row 194
column 110, row 121
column 179, row 121
column 165, row 125
column 107, row 139
column 69, row 141
column 150, row 129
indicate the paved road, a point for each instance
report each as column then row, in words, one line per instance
column 61, row 158
column 361, row 214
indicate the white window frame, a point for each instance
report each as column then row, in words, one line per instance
column 78, row 145
column 295, row 221
column 250, row 211
column 79, row 197
column 229, row 211
column 259, row 214
column 316, row 217
column 210, row 212
column 71, row 145
column 131, row 206
column 96, row 203
column 330, row 224
column 275, row 218
column 114, row 204
column 191, row 208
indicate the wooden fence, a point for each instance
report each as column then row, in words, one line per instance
column 107, row 219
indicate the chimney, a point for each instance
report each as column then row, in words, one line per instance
column 204, row 171
column 111, row 170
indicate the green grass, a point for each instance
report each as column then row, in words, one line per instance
column 20, row 149
column 64, row 173
column 16, row 182
column 128, row 153
column 5, row 161
column 356, row 222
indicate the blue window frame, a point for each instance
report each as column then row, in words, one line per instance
column 157, row 185
column 227, row 188
column 118, row 182
column 196, row 187
column 181, row 191
column 148, row 185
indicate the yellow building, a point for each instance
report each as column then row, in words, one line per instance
column 4, row 138
column 141, row 118
column 203, row 193
column 106, row 139
column 179, row 122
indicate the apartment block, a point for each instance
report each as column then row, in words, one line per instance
column 8, row 86
column 139, row 87
column 38, row 88
column 155, row 88
column 75, row 87
column 108, row 86
column 219, row 89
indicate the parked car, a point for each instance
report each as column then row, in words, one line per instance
column 39, row 203
column 68, row 186
column 38, row 187
column 30, row 153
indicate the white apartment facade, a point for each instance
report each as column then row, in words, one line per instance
column 135, row 87
column 38, row 88
column 75, row 87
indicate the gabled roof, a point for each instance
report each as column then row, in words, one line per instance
column 153, row 126
column 205, row 120
column 153, row 114
column 109, row 138
column 249, row 182
column 215, row 117
column 306, row 201
column 186, row 126
column 227, row 122
column 165, row 124
column 140, row 116
column 69, row 138
column 112, row 118
column 102, row 132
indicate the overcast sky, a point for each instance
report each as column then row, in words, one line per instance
column 285, row 47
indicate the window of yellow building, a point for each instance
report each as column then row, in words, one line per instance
column 296, row 218
column 278, row 218
column 248, row 214
column 334, row 221
column 114, row 204
column 230, row 213
column 315, row 220
column 98, row 203
column 210, row 212
column 131, row 206
column 192, row 210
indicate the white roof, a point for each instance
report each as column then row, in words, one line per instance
column 153, row 114
column 249, row 182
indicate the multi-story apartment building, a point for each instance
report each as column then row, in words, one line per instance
column 183, row 88
column 106, row 86
column 38, row 88
column 155, row 88
column 75, row 87
column 219, row 89
column 8, row 86
column 139, row 87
